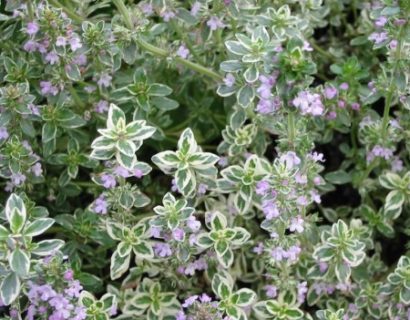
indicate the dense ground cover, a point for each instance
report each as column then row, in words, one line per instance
column 199, row 160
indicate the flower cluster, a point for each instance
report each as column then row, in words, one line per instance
column 198, row 160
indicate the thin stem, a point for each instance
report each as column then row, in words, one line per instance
column 187, row 41
column 68, row 11
column 75, row 96
column 390, row 89
column 321, row 51
column 291, row 129
column 161, row 52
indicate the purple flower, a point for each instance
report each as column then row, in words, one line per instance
column 178, row 234
column 80, row 60
column 30, row 46
column 34, row 109
column 271, row 291
column 162, row 250
column 75, row 43
column 61, row 41
column 344, row 86
column 381, row 21
column 302, row 290
column 4, row 134
column 36, row 169
column 18, row 178
column 393, row 44
column 378, row 37
column 180, row 316
column 302, row 201
column 138, row 173
column 270, row 210
column 108, row 181
column 121, row 171
column 183, row 52
column 47, row 88
column 202, row 188
column 278, row 254
column 104, row 80
column 396, row 165
column 195, row 8
column 262, row 187
column 259, row 248
column 167, row 15
column 193, row 224
column 74, row 290
column 309, row 103
column 155, row 232
column 52, row 57
column 300, row 179
column 296, row 224
column 229, row 80
column 307, row 46
column 69, row 275
column 101, row 205
column 215, row 23
column 190, row 301
column 293, row 253
column 290, row 158
column 330, row 92
column 32, row 28
column 101, row 106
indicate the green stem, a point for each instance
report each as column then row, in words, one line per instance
column 187, row 41
column 390, row 89
column 30, row 10
column 75, row 96
column 291, row 129
column 68, row 11
column 321, row 51
column 161, row 52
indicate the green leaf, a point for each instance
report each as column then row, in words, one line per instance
column 245, row 96
column 47, row 247
column 187, row 143
column 390, row 181
column 164, row 104
column 221, row 246
column 115, row 114
column 10, row 288
column 159, row 90
column 37, row 227
column 119, row 265
column 342, row 271
column 203, row 240
column 218, row 221
column 244, row 297
column 126, row 161
column 221, row 287
column 394, row 204
column 143, row 249
column 166, row 160
column 186, row 181
column 4, row 233
column 19, row 262
column 226, row 259
column 49, row 132
column 338, row 177
column 405, row 295
column 15, row 202
column 126, row 147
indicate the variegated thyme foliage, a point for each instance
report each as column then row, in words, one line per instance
column 205, row 159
